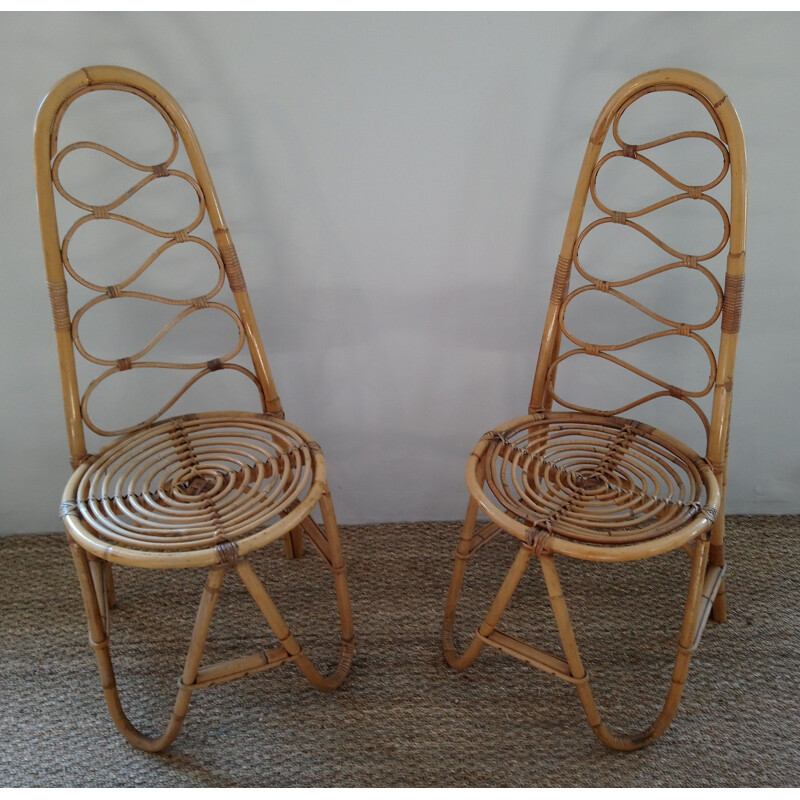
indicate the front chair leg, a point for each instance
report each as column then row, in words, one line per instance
column 679, row 672
column 498, row 606
column 99, row 642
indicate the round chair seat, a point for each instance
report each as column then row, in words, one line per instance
column 583, row 482
column 194, row 490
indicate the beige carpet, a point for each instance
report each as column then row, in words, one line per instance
column 403, row 718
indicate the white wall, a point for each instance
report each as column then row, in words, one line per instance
column 402, row 181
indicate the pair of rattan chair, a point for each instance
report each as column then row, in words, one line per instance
column 206, row 490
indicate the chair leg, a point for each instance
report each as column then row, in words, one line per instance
column 281, row 629
column 99, row 577
column 111, row 593
column 93, row 578
column 679, row 671
column 293, row 543
column 719, row 611
column 99, row 642
column 498, row 606
column 572, row 670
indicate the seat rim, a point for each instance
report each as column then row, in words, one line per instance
column 79, row 527
column 669, row 539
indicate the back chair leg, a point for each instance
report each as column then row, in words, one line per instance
column 111, row 593
column 293, row 543
column 719, row 611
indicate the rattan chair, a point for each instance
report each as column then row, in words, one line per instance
column 199, row 490
column 588, row 483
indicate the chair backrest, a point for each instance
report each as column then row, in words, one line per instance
column 204, row 230
column 721, row 192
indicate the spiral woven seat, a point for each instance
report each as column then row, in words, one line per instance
column 202, row 486
column 593, row 479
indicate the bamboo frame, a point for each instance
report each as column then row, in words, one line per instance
column 586, row 483
column 194, row 491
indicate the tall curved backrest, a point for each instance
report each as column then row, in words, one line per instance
column 729, row 141
column 49, row 159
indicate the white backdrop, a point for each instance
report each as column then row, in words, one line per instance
column 402, row 182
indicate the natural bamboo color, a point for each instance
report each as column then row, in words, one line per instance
column 197, row 490
column 590, row 484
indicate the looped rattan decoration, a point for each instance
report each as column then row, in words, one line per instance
column 198, row 490
column 588, row 483
column 635, row 220
column 122, row 290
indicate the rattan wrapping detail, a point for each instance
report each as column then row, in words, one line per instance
column 59, row 306
column 561, row 280
column 233, row 268
column 732, row 309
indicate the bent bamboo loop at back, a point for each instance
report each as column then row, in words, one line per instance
column 48, row 161
column 729, row 140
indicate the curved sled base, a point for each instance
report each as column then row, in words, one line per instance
column 96, row 589
column 571, row 669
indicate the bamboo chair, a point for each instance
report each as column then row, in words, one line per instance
column 200, row 490
column 588, row 483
